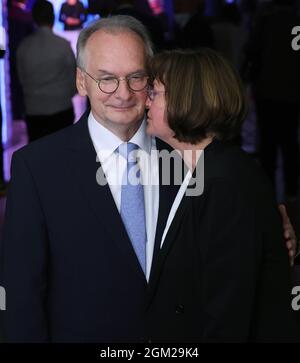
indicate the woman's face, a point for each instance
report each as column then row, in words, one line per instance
column 157, row 124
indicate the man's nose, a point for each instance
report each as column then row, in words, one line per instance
column 123, row 91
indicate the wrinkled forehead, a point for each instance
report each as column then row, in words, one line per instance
column 116, row 51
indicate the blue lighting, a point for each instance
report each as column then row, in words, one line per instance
column 3, row 72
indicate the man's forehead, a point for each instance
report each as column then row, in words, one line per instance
column 109, row 50
column 115, row 36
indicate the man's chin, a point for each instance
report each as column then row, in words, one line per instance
column 125, row 119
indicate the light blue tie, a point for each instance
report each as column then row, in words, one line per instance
column 132, row 203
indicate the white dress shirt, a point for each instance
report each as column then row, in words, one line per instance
column 196, row 190
column 113, row 165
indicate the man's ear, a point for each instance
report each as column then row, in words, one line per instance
column 80, row 82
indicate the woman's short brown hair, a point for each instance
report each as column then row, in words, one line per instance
column 204, row 94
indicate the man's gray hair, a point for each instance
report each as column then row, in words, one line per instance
column 114, row 24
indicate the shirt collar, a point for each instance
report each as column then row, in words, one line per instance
column 141, row 138
column 106, row 142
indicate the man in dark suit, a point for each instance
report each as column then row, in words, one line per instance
column 69, row 260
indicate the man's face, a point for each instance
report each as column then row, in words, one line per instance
column 119, row 55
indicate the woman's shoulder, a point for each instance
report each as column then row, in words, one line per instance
column 224, row 159
column 228, row 163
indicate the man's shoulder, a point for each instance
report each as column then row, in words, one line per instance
column 48, row 147
column 26, row 42
column 60, row 41
column 64, row 5
column 34, row 40
column 50, row 157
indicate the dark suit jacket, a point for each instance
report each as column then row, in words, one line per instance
column 67, row 264
column 222, row 273
column 71, row 274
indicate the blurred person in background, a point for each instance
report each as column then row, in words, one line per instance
column 229, row 35
column 194, row 30
column 275, row 76
column 47, row 70
column 151, row 22
column 72, row 14
column 20, row 25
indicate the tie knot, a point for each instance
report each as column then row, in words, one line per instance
column 129, row 151
column 131, row 147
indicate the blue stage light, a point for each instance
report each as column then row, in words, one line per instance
column 3, row 81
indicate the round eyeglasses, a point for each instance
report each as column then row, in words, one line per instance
column 109, row 84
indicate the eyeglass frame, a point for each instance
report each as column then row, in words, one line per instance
column 118, row 79
column 152, row 93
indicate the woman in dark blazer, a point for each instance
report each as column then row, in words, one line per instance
column 222, row 274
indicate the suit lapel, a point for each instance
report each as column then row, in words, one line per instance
column 163, row 252
column 167, row 195
column 212, row 149
column 83, row 167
